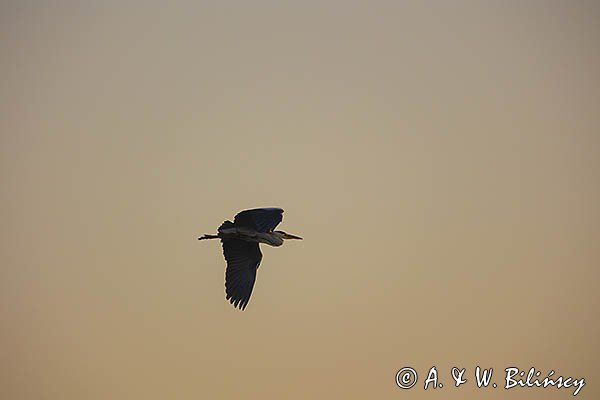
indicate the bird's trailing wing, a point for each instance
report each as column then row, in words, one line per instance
column 259, row 219
column 243, row 259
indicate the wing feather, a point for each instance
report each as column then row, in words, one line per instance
column 259, row 219
column 243, row 259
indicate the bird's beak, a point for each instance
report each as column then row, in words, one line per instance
column 288, row 236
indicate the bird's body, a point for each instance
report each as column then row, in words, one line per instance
column 240, row 240
column 249, row 235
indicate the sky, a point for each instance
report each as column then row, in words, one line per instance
column 441, row 161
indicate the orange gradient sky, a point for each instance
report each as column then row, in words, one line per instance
column 440, row 159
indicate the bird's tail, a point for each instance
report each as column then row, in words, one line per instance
column 225, row 225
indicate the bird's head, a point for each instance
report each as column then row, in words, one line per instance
column 285, row 235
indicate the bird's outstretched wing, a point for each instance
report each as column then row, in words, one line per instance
column 243, row 259
column 259, row 219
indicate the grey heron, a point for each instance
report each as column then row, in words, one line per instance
column 240, row 240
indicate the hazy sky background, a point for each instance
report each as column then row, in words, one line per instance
column 441, row 160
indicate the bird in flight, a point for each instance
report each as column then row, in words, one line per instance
column 240, row 240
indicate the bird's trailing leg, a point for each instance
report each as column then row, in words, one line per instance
column 207, row 236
